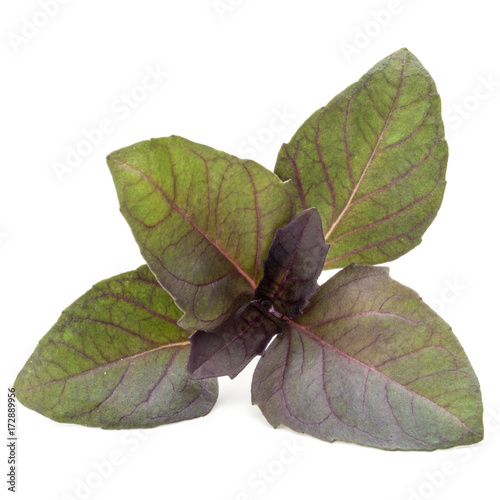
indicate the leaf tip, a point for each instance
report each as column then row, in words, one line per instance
column 403, row 51
column 112, row 157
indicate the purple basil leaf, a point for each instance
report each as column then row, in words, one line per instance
column 116, row 359
column 203, row 220
column 228, row 350
column 294, row 262
column 370, row 363
column 373, row 162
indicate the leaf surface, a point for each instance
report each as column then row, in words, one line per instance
column 228, row 350
column 294, row 263
column 373, row 162
column 368, row 362
column 203, row 220
column 116, row 359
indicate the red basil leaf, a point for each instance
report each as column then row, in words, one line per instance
column 294, row 262
column 228, row 350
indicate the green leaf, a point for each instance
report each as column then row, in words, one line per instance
column 116, row 359
column 203, row 220
column 370, row 363
column 373, row 162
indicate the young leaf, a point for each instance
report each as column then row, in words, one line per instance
column 294, row 263
column 203, row 220
column 370, row 363
column 228, row 350
column 116, row 359
column 373, row 162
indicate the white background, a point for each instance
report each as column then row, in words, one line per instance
column 228, row 74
